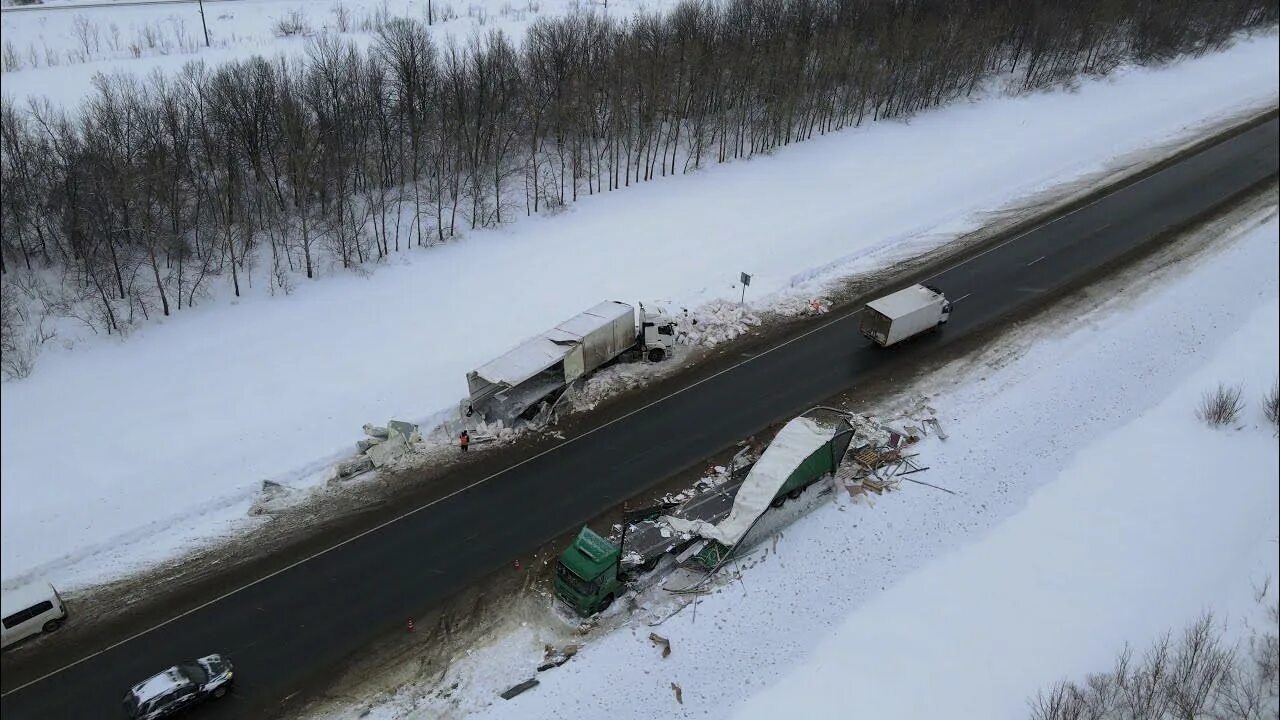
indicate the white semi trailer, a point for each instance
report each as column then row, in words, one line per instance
column 904, row 314
column 543, row 366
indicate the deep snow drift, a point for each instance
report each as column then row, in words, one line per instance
column 1095, row 509
column 119, row 453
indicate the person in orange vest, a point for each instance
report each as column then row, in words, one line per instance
column 464, row 440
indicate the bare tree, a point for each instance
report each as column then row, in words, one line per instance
column 152, row 189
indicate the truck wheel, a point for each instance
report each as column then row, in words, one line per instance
column 220, row 691
column 604, row 604
column 795, row 493
column 52, row 625
column 778, row 501
column 657, row 354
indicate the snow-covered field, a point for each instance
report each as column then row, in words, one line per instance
column 1094, row 509
column 116, row 454
column 56, row 53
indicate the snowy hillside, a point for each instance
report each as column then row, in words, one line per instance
column 283, row 384
column 1093, row 510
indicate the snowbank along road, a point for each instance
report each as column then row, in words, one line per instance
column 289, row 628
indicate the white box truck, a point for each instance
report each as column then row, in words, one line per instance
column 904, row 314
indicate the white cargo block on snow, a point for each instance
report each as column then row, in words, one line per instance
column 407, row 431
column 386, row 452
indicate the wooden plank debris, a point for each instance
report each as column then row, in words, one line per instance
column 661, row 642
column 937, row 429
column 935, row 487
column 517, row 689
column 553, row 658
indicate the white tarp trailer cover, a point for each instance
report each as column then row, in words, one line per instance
column 795, row 442
column 582, row 343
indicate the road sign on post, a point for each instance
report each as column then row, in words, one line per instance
column 746, row 280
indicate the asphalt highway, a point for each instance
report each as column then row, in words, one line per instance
column 294, row 626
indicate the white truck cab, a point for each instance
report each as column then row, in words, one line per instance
column 657, row 334
column 30, row 610
column 946, row 305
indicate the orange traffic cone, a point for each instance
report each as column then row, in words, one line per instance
column 516, row 564
column 410, row 624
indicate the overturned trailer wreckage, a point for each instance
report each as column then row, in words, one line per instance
column 704, row 531
column 542, row 367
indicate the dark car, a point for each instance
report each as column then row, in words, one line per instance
column 179, row 687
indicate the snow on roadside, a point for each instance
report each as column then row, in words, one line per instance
column 174, row 430
column 1094, row 510
column 1146, row 527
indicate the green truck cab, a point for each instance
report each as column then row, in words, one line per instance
column 587, row 573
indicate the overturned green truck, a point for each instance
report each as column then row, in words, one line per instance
column 705, row 530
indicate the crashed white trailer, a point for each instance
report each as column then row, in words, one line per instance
column 802, row 441
column 508, row 385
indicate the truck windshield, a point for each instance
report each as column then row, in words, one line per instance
column 566, row 575
column 194, row 673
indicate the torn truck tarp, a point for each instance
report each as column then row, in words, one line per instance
column 542, row 351
column 795, row 442
column 523, row 361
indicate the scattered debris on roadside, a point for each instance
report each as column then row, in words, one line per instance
column 382, row 445
column 879, row 463
column 273, row 498
column 554, row 657
column 937, row 428
column 352, row 467
column 698, row 531
column 661, row 642
column 679, row 693
column 801, row 305
column 717, row 322
column 715, row 476
column 517, row 689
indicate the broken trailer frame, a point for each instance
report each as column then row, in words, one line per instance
column 592, row 572
column 515, row 383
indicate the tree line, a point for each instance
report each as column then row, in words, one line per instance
column 156, row 188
